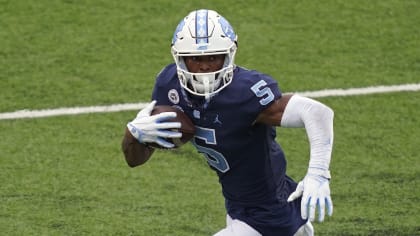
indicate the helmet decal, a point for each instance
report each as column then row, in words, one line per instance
column 227, row 28
column 178, row 29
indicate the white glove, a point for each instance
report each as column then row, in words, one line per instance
column 315, row 192
column 153, row 129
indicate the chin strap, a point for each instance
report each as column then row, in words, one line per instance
column 317, row 119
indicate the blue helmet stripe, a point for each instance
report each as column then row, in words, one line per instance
column 201, row 27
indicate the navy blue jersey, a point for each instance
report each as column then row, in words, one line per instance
column 249, row 162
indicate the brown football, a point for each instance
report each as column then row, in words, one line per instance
column 187, row 127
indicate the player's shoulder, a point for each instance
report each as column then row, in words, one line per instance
column 166, row 75
column 251, row 87
column 247, row 78
column 244, row 79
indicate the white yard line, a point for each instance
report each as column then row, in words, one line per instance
column 361, row 91
column 137, row 106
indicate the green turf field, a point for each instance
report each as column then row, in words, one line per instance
column 66, row 175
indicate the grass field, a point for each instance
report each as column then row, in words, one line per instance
column 66, row 175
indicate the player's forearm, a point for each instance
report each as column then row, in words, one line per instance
column 135, row 153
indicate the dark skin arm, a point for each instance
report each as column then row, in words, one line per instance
column 135, row 153
column 274, row 113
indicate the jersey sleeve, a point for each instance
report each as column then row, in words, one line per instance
column 259, row 91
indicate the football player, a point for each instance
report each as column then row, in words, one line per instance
column 235, row 111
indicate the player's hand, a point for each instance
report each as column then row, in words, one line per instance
column 315, row 192
column 147, row 128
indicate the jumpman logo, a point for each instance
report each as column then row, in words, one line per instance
column 216, row 120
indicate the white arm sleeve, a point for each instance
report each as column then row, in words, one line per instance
column 317, row 119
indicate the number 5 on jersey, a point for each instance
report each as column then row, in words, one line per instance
column 214, row 158
column 263, row 92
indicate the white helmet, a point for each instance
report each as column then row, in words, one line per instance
column 204, row 32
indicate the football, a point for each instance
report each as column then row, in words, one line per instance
column 187, row 127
